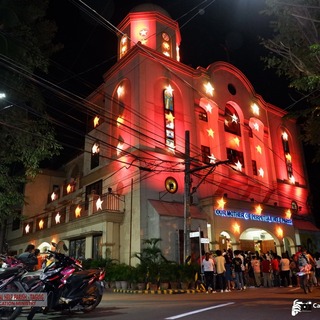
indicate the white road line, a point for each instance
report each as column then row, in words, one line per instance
column 198, row 311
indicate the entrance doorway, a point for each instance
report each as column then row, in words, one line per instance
column 257, row 240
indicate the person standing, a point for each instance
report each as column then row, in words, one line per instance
column 220, row 262
column 285, row 270
column 256, row 270
column 275, row 270
column 208, row 269
column 266, row 271
column 238, row 269
column 28, row 257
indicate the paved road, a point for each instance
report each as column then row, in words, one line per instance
column 251, row 304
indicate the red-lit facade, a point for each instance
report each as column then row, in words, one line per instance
column 147, row 115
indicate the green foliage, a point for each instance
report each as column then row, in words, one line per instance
column 26, row 43
column 119, row 272
column 295, row 54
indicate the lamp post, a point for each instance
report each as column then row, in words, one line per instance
column 187, row 193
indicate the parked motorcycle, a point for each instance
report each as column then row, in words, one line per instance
column 10, row 281
column 305, row 278
column 68, row 286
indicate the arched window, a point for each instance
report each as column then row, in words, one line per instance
column 231, row 120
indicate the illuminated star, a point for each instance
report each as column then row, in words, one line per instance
column 234, row 118
column 143, row 32
column 99, row 204
column 288, row 214
column 209, row 88
column 210, row 132
column 259, row 149
column 239, row 165
column 27, row 228
column 53, row 196
column 78, row 212
column 255, row 109
column 288, row 157
column 120, row 91
column 169, row 90
column 209, row 107
column 237, row 141
column 169, row 117
column 95, row 148
column 57, row 218
column 96, row 121
column 285, row 136
column 292, row 179
column 221, row 203
column 261, row 172
column 256, row 126
column 41, row 224
column 119, row 148
column 68, row 188
column 258, row 209
column 212, row 158
column 120, row 120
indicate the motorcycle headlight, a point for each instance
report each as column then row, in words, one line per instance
column 48, row 273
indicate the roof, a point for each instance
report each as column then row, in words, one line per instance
column 305, row 225
column 175, row 209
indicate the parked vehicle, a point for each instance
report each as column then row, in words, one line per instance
column 68, row 285
column 10, row 281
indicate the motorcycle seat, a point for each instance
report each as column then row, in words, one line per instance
column 9, row 272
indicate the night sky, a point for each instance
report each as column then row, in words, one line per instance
column 220, row 30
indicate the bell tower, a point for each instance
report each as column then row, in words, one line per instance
column 150, row 26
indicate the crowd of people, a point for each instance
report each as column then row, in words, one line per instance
column 236, row 270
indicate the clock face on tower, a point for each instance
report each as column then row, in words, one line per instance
column 165, row 36
column 171, row 185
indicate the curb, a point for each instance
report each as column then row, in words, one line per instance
column 169, row 291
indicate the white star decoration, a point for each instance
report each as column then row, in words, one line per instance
column 27, row 228
column 57, row 218
column 209, row 88
column 255, row 109
column 261, row 172
column 239, row 165
column 99, row 204
column 234, row 118
column 212, row 158
column 209, row 107
column 256, row 126
column 169, row 90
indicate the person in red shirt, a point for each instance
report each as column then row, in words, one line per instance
column 275, row 271
column 266, row 271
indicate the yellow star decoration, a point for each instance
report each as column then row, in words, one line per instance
column 210, row 133
column 209, row 88
column 96, row 121
column 258, row 209
column 236, row 228
column 288, row 214
column 288, row 157
column 255, row 109
column 221, row 203
column 169, row 117
column 259, row 149
column 120, row 121
column 99, row 204
column 57, row 218
column 41, row 224
column 237, row 141
column 78, row 211
column 68, row 188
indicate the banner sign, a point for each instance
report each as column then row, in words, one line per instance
column 23, row 299
column 251, row 216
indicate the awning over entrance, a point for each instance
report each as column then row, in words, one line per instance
column 305, row 225
column 174, row 209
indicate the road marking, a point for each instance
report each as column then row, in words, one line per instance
column 198, row 311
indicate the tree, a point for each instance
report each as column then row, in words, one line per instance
column 295, row 54
column 27, row 138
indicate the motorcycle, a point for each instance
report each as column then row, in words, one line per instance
column 68, row 286
column 10, row 282
column 305, row 278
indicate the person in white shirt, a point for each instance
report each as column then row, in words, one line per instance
column 208, row 268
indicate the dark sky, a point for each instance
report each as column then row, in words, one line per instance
column 221, row 30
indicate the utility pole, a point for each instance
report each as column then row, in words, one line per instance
column 187, row 193
column 186, row 213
